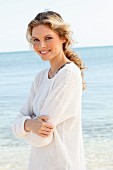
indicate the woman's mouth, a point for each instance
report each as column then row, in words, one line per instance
column 44, row 52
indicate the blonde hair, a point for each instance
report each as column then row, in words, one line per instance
column 56, row 23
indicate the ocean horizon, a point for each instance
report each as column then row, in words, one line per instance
column 79, row 47
column 18, row 70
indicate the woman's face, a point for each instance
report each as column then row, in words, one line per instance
column 46, row 42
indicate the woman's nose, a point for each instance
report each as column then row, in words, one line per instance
column 42, row 44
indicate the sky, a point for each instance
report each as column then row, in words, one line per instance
column 91, row 21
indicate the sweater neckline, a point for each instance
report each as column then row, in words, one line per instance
column 47, row 73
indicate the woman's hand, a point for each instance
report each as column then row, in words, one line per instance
column 39, row 126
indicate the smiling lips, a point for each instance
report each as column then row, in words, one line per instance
column 44, row 52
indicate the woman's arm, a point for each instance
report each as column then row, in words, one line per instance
column 61, row 104
column 39, row 126
column 26, row 113
column 27, row 116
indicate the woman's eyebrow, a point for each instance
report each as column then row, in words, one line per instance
column 48, row 35
column 34, row 37
column 44, row 36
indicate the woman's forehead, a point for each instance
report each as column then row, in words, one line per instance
column 42, row 30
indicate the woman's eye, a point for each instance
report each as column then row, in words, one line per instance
column 48, row 38
column 35, row 40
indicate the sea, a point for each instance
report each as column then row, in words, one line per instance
column 18, row 70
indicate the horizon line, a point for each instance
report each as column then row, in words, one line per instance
column 94, row 46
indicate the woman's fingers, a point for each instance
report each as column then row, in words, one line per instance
column 46, row 129
column 48, row 125
column 43, row 135
column 44, row 132
column 44, row 117
column 42, row 127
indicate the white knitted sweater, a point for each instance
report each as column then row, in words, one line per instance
column 60, row 99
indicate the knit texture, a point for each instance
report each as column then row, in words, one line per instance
column 60, row 99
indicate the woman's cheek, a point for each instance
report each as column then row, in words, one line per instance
column 35, row 47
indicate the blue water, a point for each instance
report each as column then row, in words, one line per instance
column 17, row 71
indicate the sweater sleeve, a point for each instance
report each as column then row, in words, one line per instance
column 61, row 104
column 27, row 110
column 25, row 113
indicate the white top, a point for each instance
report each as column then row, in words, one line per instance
column 60, row 99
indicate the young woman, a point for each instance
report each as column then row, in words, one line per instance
column 51, row 118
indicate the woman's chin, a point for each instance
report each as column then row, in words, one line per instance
column 44, row 58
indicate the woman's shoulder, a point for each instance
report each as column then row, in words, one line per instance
column 70, row 70
column 68, row 74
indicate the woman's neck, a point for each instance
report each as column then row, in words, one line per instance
column 56, row 64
